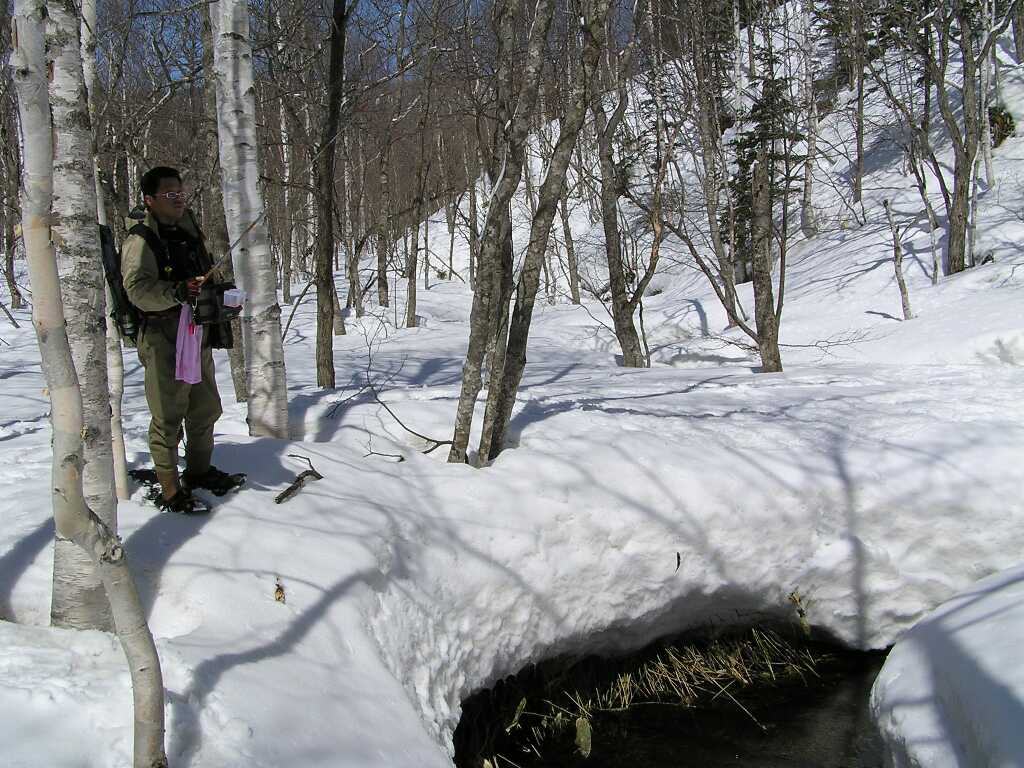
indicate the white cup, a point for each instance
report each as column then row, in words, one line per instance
column 233, row 297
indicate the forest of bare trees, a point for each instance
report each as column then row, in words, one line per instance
column 318, row 139
column 371, row 116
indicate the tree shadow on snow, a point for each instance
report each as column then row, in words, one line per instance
column 936, row 641
column 152, row 545
column 15, row 561
column 405, row 495
column 187, row 735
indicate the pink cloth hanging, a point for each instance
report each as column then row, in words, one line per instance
column 189, row 344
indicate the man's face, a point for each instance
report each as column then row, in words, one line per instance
column 168, row 204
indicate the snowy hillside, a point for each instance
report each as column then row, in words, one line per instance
column 877, row 477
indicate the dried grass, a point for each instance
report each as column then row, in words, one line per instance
column 684, row 676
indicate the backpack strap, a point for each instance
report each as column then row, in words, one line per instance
column 156, row 245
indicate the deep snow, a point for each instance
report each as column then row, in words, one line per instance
column 877, row 477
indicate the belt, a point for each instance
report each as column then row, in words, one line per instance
column 163, row 314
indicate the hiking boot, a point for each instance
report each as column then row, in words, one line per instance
column 216, row 482
column 183, row 503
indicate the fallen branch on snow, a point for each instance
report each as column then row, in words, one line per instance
column 300, row 479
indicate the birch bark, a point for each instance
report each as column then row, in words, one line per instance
column 78, row 598
column 287, row 236
column 74, row 519
column 246, row 222
column 213, row 208
column 287, row 155
column 115, row 358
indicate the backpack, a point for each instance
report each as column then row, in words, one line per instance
column 124, row 314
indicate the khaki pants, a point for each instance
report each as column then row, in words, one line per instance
column 173, row 402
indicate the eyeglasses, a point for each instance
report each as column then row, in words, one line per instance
column 172, row 195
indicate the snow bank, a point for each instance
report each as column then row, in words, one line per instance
column 951, row 693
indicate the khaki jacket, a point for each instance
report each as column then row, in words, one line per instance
column 146, row 287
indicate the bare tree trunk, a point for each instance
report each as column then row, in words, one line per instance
column 422, row 170
column 498, row 342
column 570, row 250
column 382, row 248
column 622, row 319
column 985, row 97
column 474, row 225
column 612, row 186
column 339, row 315
column 897, row 262
column 712, row 154
column 963, row 167
column 451, row 210
column 764, row 302
column 353, row 196
column 214, row 222
column 501, row 397
column 10, row 172
column 751, row 50
column 115, row 359
column 326, row 294
column 965, row 140
column 383, row 241
column 244, row 213
column 858, row 173
column 426, row 252
column 808, row 216
column 516, row 107
column 287, row 235
column 73, row 518
column 450, row 215
column 411, row 267
column 1018, row 32
column 739, row 84
column 79, row 600
column 10, row 248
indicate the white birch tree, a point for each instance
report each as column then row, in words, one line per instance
column 115, row 360
column 74, row 519
column 246, row 220
column 78, row 597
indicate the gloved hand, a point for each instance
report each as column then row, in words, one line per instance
column 187, row 290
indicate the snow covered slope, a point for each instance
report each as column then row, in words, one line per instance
column 876, row 478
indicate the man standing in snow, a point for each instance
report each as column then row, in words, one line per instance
column 164, row 262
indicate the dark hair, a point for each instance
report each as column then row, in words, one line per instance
column 151, row 178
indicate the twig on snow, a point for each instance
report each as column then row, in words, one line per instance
column 300, row 479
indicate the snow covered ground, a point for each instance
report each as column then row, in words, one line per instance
column 950, row 691
column 876, row 478
column 876, row 490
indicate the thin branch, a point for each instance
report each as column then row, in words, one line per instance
column 300, row 480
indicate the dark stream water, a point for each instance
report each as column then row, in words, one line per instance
column 821, row 721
